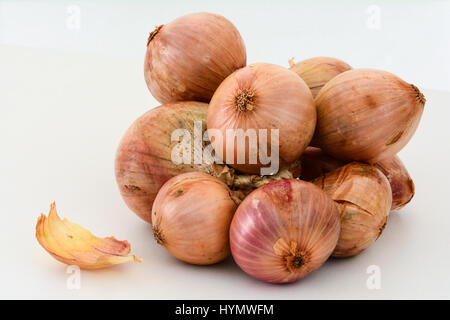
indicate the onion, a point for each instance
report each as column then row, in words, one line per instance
column 189, row 57
column 401, row 182
column 315, row 163
column 316, row 72
column 191, row 218
column 284, row 230
column 367, row 115
column 143, row 160
column 364, row 199
column 262, row 96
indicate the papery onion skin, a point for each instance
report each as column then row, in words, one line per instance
column 263, row 96
column 315, row 163
column 367, row 115
column 401, row 182
column 316, row 72
column 189, row 57
column 364, row 199
column 143, row 160
column 284, row 230
column 191, row 218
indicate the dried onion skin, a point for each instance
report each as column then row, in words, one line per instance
column 143, row 159
column 262, row 96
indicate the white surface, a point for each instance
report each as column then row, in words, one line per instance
column 67, row 96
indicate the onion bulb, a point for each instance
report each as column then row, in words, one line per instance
column 191, row 218
column 401, row 182
column 284, row 230
column 189, row 57
column 316, row 72
column 364, row 199
column 366, row 115
column 261, row 97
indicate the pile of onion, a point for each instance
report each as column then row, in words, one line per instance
column 283, row 168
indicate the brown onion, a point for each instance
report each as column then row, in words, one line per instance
column 284, row 230
column 316, row 72
column 366, row 115
column 191, row 218
column 364, row 199
column 189, row 57
column 401, row 182
column 262, row 96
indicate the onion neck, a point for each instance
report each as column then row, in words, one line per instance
column 153, row 34
column 157, row 234
column 244, row 101
column 419, row 95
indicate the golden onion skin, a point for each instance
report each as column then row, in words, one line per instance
column 284, row 230
column 143, row 160
column 363, row 196
column 316, row 72
column 191, row 218
column 366, row 115
column 263, row 96
column 188, row 58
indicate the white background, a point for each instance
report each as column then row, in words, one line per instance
column 71, row 82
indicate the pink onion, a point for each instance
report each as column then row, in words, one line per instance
column 284, row 230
